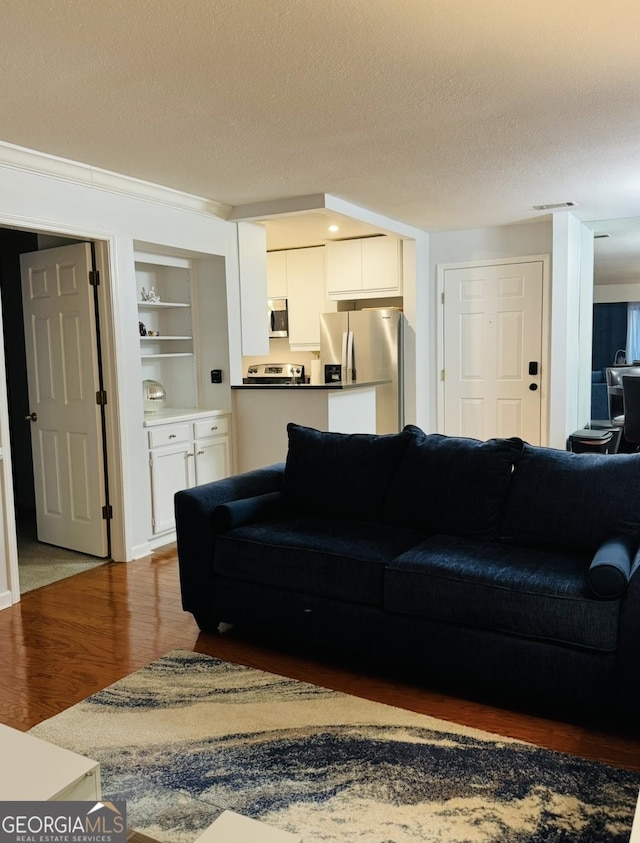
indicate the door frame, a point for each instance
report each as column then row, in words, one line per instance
column 104, row 245
column 545, row 374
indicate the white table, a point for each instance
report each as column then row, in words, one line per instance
column 234, row 828
column 34, row 770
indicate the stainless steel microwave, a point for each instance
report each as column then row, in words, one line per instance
column 278, row 318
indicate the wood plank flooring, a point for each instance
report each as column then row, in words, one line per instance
column 69, row 639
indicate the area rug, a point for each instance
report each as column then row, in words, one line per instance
column 189, row 736
column 42, row 564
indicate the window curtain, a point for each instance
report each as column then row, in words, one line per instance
column 633, row 332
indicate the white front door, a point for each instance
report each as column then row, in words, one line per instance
column 62, row 371
column 493, row 350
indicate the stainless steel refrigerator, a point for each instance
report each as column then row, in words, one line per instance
column 364, row 346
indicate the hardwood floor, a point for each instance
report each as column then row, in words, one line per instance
column 69, row 639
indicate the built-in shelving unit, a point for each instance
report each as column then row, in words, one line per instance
column 166, row 329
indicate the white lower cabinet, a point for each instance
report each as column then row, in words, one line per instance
column 212, row 461
column 172, row 469
column 184, row 455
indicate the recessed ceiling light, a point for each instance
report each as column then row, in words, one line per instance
column 553, row 206
column 333, row 228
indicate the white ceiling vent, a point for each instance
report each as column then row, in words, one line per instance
column 554, row 206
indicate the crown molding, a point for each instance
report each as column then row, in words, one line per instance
column 51, row 166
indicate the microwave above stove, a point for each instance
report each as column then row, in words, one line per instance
column 278, row 316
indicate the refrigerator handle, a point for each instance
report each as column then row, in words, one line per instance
column 343, row 358
column 350, row 368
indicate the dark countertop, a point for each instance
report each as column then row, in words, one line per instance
column 302, row 387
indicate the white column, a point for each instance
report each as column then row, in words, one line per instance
column 569, row 304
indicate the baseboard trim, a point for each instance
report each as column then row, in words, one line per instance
column 147, row 548
column 6, row 599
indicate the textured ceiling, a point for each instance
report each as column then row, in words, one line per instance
column 443, row 115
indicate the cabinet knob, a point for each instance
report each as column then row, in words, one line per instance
column 190, row 455
column 215, row 427
column 200, row 452
column 172, row 435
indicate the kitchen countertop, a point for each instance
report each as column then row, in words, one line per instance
column 301, row 387
column 177, row 414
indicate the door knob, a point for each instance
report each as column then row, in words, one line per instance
column 31, row 417
column 533, row 387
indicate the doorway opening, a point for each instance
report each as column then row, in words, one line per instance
column 39, row 562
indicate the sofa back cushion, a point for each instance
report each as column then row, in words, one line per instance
column 340, row 475
column 568, row 500
column 452, row 485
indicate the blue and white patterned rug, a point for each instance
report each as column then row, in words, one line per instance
column 189, row 736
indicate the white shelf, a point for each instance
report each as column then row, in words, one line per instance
column 160, row 304
column 163, row 338
column 168, row 354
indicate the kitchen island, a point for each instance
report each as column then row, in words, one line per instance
column 262, row 413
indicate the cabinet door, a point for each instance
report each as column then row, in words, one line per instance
column 307, row 297
column 171, row 470
column 277, row 275
column 381, row 264
column 344, row 266
column 212, row 460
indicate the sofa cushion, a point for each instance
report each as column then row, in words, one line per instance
column 531, row 592
column 340, row 475
column 561, row 499
column 451, row 484
column 339, row 559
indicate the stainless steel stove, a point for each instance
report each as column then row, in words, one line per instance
column 275, row 373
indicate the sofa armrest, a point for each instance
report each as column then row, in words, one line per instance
column 611, row 567
column 629, row 641
column 195, row 529
column 228, row 516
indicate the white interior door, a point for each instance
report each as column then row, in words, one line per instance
column 493, row 351
column 62, row 371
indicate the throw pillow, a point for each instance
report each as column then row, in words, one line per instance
column 453, row 485
column 340, row 475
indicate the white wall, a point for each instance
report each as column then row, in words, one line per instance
column 604, row 293
column 69, row 203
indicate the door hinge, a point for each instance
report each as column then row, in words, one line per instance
column 101, row 396
column 442, row 297
column 107, row 513
column 94, row 277
column 441, row 374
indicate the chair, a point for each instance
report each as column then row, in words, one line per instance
column 631, row 395
column 614, row 376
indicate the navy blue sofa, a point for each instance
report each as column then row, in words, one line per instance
column 495, row 569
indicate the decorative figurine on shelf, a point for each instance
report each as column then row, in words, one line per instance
column 142, row 329
column 149, row 295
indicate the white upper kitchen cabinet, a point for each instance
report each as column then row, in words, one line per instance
column 364, row 268
column 277, row 275
column 306, row 293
